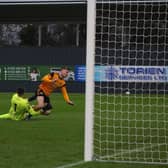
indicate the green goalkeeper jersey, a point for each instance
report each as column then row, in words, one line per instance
column 19, row 107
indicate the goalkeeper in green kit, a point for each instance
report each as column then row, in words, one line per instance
column 20, row 108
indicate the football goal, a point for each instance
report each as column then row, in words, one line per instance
column 126, row 117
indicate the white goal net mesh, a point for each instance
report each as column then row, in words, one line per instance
column 131, row 75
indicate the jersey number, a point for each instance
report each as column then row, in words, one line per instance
column 15, row 106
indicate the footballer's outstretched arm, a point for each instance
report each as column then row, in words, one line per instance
column 65, row 95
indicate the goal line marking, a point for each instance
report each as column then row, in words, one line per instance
column 130, row 151
column 116, row 154
column 71, row 165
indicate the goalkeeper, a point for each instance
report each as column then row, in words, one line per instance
column 49, row 84
column 20, row 108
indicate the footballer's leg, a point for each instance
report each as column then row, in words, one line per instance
column 40, row 103
column 32, row 98
column 31, row 112
column 47, row 109
column 5, row 116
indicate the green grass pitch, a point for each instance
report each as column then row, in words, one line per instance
column 49, row 141
column 44, row 141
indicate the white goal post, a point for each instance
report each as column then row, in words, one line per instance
column 89, row 96
column 126, row 104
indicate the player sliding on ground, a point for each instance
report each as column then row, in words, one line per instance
column 20, row 108
column 50, row 82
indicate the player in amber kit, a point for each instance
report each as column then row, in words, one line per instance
column 51, row 82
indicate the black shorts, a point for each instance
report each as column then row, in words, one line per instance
column 40, row 92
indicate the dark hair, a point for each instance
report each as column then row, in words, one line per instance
column 20, row 91
column 35, row 69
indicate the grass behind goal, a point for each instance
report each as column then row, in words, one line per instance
column 131, row 127
column 57, row 140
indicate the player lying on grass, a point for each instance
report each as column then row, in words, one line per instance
column 20, row 108
column 50, row 82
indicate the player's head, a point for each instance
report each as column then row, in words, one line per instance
column 64, row 72
column 20, row 91
column 34, row 70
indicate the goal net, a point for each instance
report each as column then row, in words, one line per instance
column 130, row 112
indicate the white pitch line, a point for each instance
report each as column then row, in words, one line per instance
column 72, row 164
column 129, row 151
